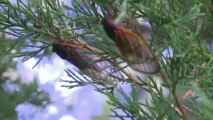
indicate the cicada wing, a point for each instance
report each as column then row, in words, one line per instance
column 149, row 67
column 110, row 71
column 136, row 51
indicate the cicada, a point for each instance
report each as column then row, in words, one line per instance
column 80, row 54
column 135, row 50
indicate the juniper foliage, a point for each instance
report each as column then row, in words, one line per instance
column 183, row 25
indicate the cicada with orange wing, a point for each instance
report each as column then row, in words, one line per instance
column 80, row 54
column 135, row 50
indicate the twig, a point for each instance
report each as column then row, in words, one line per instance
column 188, row 109
column 179, row 109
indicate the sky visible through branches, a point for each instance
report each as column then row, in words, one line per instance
column 140, row 62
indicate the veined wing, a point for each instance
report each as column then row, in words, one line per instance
column 136, row 51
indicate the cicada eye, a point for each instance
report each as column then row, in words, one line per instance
column 112, row 13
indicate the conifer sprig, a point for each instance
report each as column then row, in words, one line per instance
column 183, row 25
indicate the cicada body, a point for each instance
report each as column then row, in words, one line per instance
column 82, row 57
column 135, row 50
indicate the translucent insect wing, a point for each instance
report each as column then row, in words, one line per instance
column 136, row 51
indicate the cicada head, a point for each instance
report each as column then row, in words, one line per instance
column 59, row 49
column 109, row 27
